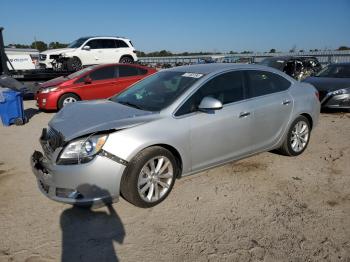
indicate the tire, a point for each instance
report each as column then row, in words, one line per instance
column 126, row 60
column 19, row 122
column 74, row 64
column 147, row 190
column 66, row 99
column 297, row 138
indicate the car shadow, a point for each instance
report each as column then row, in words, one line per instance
column 30, row 112
column 88, row 234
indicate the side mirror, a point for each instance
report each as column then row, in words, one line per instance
column 87, row 80
column 86, row 48
column 209, row 103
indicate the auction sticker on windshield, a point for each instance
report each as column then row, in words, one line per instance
column 193, row 75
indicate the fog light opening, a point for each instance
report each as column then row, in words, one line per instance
column 68, row 193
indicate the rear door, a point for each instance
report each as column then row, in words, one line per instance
column 271, row 105
column 108, row 52
column 102, row 83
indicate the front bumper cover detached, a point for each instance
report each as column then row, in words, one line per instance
column 90, row 184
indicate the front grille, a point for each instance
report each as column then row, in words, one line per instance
column 51, row 140
column 54, row 138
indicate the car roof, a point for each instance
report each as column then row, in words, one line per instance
column 216, row 67
column 107, row 37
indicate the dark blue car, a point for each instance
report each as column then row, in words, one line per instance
column 333, row 85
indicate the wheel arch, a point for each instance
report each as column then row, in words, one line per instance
column 309, row 118
column 172, row 150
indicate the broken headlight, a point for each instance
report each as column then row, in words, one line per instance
column 82, row 150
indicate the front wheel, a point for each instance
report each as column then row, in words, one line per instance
column 67, row 99
column 74, row 64
column 297, row 138
column 149, row 177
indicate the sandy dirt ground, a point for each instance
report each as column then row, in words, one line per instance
column 264, row 208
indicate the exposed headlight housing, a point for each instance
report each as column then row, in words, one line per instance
column 48, row 89
column 341, row 91
column 82, row 150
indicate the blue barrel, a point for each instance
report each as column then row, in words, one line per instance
column 11, row 107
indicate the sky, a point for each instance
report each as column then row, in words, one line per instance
column 180, row 25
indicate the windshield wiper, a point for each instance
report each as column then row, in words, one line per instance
column 130, row 104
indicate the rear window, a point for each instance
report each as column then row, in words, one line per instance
column 103, row 73
column 125, row 71
column 263, row 83
column 121, row 43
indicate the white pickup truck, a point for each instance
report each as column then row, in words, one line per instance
column 22, row 58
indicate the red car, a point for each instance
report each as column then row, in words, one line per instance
column 95, row 82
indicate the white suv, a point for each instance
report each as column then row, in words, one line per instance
column 89, row 51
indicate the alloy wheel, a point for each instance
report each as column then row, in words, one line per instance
column 69, row 100
column 299, row 136
column 155, row 179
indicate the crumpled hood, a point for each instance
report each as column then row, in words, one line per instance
column 54, row 82
column 57, row 51
column 328, row 83
column 82, row 118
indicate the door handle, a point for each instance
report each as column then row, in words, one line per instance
column 286, row 102
column 244, row 114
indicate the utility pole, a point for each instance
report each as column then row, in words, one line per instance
column 36, row 47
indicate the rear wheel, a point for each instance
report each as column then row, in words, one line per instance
column 126, row 60
column 67, row 99
column 297, row 138
column 149, row 177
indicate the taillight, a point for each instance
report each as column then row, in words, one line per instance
column 317, row 94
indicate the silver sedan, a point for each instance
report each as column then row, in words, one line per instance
column 174, row 123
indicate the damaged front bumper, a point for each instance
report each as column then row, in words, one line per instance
column 90, row 184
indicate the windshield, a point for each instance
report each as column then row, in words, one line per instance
column 81, row 72
column 158, row 91
column 77, row 43
column 335, row 71
column 273, row 62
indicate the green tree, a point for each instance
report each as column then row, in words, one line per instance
column 56, row 45
column 40, row 45
column 341, row 48
column 273, row 50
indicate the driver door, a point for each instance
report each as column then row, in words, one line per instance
column 220, row 135
column 94, row 55
column 102, row 83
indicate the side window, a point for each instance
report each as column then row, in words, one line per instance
column 121, row 43
column 227, row 88
column 263, row 83
column 125, row 71
column 103, row 73
column 108, row 43
column 95, row 44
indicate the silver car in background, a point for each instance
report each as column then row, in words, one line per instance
column 174, row 123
